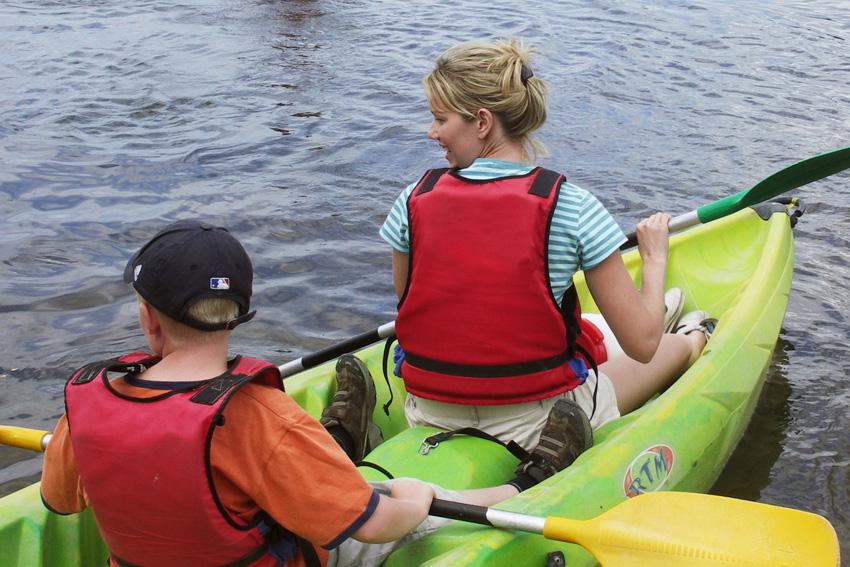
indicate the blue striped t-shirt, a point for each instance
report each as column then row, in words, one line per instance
column 583, row 232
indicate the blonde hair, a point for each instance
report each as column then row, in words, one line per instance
column 496, row 76
column 209, row 310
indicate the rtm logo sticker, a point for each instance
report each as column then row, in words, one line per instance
column 649, row 471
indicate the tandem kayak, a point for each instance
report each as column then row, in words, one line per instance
column 737, row 268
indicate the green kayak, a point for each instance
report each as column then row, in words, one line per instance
column 737, row 268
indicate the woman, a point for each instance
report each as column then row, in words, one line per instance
column 483, row 258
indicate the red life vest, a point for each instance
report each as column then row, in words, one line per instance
column 478, row 321
column 145, row 464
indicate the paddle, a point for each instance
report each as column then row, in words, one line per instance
column 651, row 530
column 336, row 350
column 791, row 177
column 36, row 440
column 24, row 438
column 677, row 528
column 801, row 173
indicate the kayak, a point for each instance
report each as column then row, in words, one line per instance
column 737, row 268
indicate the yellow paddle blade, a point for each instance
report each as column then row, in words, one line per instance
column 681, row 529
column 22, row 437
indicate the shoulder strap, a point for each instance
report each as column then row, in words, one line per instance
column 427, row 182
column 243, row 370
column 571, row 311
column 261, row 371
column 544, row 182
column 311, row 558
column 216, row 388
column 133, row 362
column 90, row 371
column 387, row 347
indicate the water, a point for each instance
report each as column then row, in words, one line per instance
column 297, row 123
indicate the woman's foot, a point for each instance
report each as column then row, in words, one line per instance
column 692, row 322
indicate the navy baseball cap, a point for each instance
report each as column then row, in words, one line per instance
column 191, row 260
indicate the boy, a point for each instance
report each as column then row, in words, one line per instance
column 188, row 458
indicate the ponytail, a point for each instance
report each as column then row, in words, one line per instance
column 497, row 76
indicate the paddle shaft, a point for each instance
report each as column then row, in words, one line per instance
column 24, row 438
column 676, row 224
column 35, row 440
column 793, row 176
column 336, row 350
column 486, row 516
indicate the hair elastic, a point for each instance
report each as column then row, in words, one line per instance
column 525, row 73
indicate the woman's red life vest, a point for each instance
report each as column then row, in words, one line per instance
column 478, row 321
column 145, row 465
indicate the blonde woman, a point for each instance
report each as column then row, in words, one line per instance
column 483, row 257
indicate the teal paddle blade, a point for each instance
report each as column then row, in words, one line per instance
column 791, row 177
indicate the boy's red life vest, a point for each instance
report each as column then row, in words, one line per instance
column 478, row 321
column 145, row 465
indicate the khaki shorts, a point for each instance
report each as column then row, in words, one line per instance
column 518, row 422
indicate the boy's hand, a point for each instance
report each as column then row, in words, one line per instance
column 413, row 491
column 396, row 515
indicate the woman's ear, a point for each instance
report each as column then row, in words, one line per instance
column 485, row 122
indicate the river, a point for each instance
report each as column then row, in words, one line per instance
column 296, row 123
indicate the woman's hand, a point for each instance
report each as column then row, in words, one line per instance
column 653, row 237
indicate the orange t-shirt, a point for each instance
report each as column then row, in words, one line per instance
column 269, row 455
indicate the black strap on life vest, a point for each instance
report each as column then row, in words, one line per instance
column 275, row 534
column 92, row 370
column 596, row 372
column 429, row 180
column 544, row 182
column 487, row 370
column 219, row 386
column 568, row 310
column 308, row 552
column 386, row 358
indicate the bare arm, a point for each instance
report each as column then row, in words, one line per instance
column 398, row 514
column 635, row 315
column 401, row 265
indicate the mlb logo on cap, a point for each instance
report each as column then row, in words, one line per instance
column 219, row 283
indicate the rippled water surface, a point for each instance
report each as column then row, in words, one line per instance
column 296, row 124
